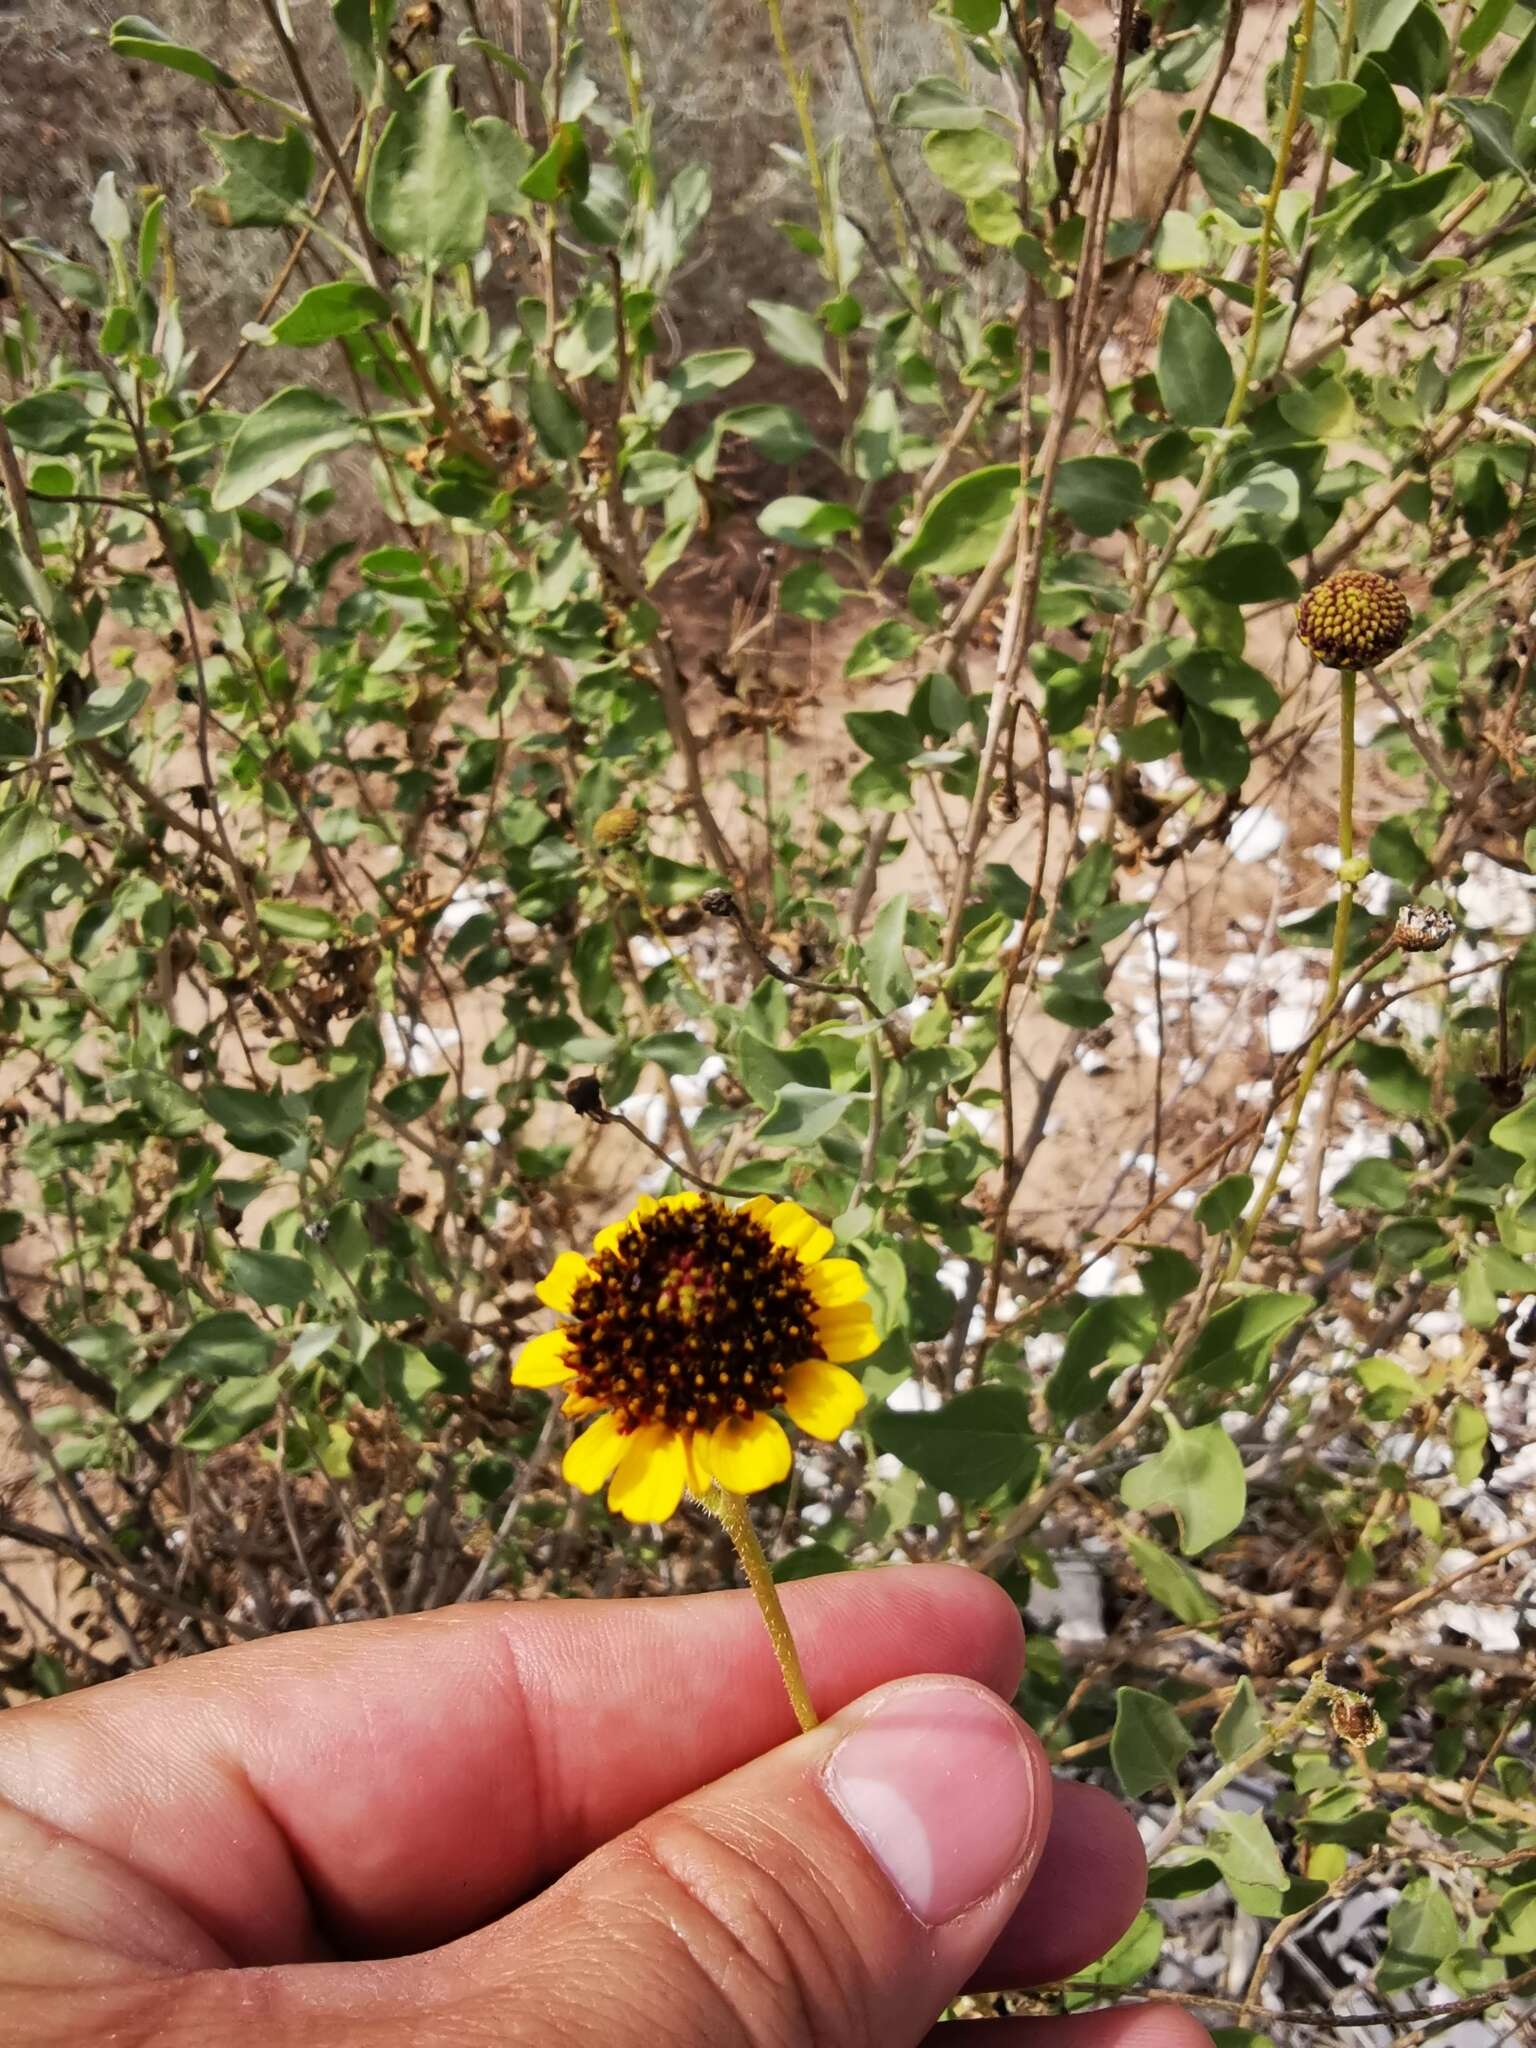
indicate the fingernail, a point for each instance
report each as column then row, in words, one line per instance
column 940, row 1785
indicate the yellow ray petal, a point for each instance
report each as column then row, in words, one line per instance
column 760, row 1208
column 696, row 1453
column 579, row 1404
column 683, row 1201
column 747, row 1453
column 542, row 1363
column 845, row 1334
column 609, row 1237
column 836, row 1283
column 649, row 1483
column 558, row 1287
column 798, row 1231
column 593, row 1456
column 822, row 1399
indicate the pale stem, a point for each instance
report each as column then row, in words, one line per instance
column 1341, row 924
column 732, row 1512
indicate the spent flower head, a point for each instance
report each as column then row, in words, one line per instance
column 687, row 1327
column 1353, row 620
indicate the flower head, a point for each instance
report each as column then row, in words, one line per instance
column 1354, row 619
column 620, row 826
column 1420, row 928
column 687, row 1327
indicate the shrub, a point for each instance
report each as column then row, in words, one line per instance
column 470, row 753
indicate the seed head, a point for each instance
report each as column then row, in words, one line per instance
column 1353, row 620
column 584, row 1093
column 621, row 826
column 718, row 902
column 1422, row 929
column 1354, row 1719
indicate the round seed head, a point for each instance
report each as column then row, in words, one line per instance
column 1353, row 620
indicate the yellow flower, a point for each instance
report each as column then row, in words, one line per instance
column 687, row 1327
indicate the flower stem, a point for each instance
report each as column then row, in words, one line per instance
column 737, row 1523
column 1341, row 923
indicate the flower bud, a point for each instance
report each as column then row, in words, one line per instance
column 621, row 826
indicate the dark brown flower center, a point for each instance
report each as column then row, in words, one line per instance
column 695, row 1316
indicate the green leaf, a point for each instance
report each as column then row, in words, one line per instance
column 1241, row 1724
column 560, row 427
column 1246, row 572
column 1467, row 1430
column 1171, row 1582
column 1373, row 1184
column 277, row 440
column 426, row 191
column 139, row 40
column 1194, row 373
column 976, row 1444
column 963, row 524
column 711, row 370
column 775, row 431
column 1392, row 1079
column 505, row 161
column 1422, row 1931
column 271, row 1279
column 937, row 103
column 1492, row 135
column 1221, row 1206
column 1514, row 1923
column 971, row 162
column 107, row 710
column 254, row 1121
column 1112, row 1333
column 810, row 1561
column 232, row 1411
column 811, row 592
column 1234, row 165
column 1517, row 1131
column 1234, row 1348
column 885, row 964
column 889, row 737
column 303, row 921
column 220, row 1346
column 327, row 311
column 27, row 836
column 1148, row 1744
column 807, row 522
column 893, row 640
column 1099, row 493
column 1244, row 1852
column 265, row 181
column 792, row 333
column 49, row 423
column 1221, row 683
column 1198, row 1478
column 801, row 1115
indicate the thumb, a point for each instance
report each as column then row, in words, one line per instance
column 841, row 1888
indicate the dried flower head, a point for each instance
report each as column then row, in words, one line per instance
column 1353, row 620
column 621, row 826
column 1354, row 1719
column 688, row 1325
column 718, row 902
column 1422, row 929
column 584, row 1093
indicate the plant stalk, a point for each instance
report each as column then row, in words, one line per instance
column 735, row 1518
column 1341, row 923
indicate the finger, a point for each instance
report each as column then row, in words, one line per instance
column 1088, row 1889
column 1132, row 2026
column 840, row 1889
column 388, row 1786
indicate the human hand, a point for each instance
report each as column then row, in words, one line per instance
column 326, row 1838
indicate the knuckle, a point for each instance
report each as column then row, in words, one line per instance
column 759, row 1944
